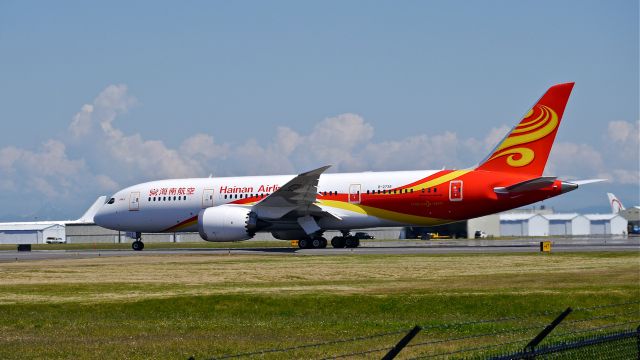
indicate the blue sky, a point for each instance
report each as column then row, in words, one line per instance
column 98, row 96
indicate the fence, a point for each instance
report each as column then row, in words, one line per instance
column 605, row 332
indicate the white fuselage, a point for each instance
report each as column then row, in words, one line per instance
column 158, row 206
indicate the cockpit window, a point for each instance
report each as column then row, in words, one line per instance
column 111, row 201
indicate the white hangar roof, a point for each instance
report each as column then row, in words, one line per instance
column 569, row 216
column 27, row 227
column 517, row 217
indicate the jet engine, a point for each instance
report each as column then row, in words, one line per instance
column 226, row 223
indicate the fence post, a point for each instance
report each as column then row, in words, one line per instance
column 638, row 340
column 402, row 343
column 543, row 334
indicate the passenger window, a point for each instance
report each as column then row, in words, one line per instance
column 149, row 199
column 435, row 189
column 164, row 198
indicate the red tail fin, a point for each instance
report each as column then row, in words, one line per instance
column 526, row 148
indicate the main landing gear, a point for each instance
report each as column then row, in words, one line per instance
column 137, row 245
column 346, row 240
column 342, row 242
column 317, row 242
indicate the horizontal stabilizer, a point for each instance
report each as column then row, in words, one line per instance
column 529, row 185
column 589, row 181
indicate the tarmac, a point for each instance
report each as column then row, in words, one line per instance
column 394, row 247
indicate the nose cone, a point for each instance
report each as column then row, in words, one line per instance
column 104, row 217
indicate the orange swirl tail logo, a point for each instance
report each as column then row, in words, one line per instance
column 539, row 122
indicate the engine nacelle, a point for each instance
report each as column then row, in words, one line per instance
column 225, row 223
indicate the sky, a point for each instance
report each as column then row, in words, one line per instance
column 97, row 96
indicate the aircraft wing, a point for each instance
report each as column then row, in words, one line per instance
column 298, row 194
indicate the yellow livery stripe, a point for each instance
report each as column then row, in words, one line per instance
column 381, row 213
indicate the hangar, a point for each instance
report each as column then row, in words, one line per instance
column 523, row 224
column 31, row 233
column 567, row 224
column 607, row 224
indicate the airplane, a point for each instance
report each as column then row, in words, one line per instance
column 306, row 205
column 86, row 218
column 630, row 214
column 616, row 205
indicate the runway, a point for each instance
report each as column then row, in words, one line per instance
column 399, row 247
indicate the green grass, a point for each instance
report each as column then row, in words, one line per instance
column 207, row 306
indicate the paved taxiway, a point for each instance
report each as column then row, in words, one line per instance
column 400, row 247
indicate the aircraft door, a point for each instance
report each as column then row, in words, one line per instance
column 207, row 198
column 354, row 193
column 134, row 201
column 455, row 190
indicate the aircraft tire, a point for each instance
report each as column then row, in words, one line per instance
column 323, row 244
column 316, row 243
column 137, row 245
column 337, row 242
column 351, row 242
column 304, row 243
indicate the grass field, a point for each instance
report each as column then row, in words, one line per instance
column 143, row 307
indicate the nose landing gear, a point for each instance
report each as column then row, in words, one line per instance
column 137, row 245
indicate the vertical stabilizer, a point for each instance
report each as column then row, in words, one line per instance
column 616, row 205
column 526, row 148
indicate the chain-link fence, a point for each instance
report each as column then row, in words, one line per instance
column 599, row 332
column 608, row 346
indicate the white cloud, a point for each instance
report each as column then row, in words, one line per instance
column 203, row 145
column 623, row 132
column 106, row 183
column 48, row 170
column 623, row 142
column 81, row 124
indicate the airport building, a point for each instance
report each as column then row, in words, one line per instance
column 523, row 224
column 568, row 224
column 31, row 233
column 607, row 224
